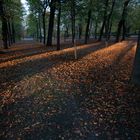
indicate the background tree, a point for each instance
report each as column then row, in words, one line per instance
column 122, row 21
column 51, row 22
column 11, row 17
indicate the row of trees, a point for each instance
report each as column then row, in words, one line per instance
column 69, row 18
column 80, row 18
column 11, row 14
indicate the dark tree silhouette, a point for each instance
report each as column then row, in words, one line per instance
column 121, row 24
column 51, row 22
column 136, row 69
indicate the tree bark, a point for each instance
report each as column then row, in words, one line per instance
column 13, row 32
column 73, row 21
column 51, row 23
column 136, row 68
column 40, row 33
column 122, row 22
column 5, row 33
column 37, row 30
column 109, row 33
column 58, row 25
column 4, row 26
column 44, row 26
column 95, row 31
column 87, row 27
column 80, row 30
column 104, row 20
column 108, row 20
column 124, row 30
column 9, row 33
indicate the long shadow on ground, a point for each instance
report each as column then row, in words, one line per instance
column 58, row 115
column 110, row 107
column 19, row 71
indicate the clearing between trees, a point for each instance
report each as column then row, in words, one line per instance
column 47, row 94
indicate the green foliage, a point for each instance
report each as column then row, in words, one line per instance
column 14, row 12
column 31, row 22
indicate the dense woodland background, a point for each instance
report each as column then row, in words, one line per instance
column 53, row 20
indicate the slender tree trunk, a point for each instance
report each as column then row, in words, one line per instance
column 110, row 28
column 51, row 23
column 122, row 21
column 73, row 27
column 44, row 26
column 5, row 33
column 136, row 69
column 95, row 31
column 80, row 30
column 66, row 34
column 58, row 26
column 104, row 20
column 8, row 33
column 39, row 26
column 37, row 30
column 13, row 32
column 73, row 21
column 87, row 27
column 119, row 30
column 124, row 30
column 108, row 20
column 4, row 26
column 67, row 31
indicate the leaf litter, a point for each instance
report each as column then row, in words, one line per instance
column 53, row 96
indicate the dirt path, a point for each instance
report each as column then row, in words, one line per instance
column 49, row 95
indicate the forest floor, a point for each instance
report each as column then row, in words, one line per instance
column 47, row 95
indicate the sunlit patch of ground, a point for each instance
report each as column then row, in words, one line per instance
column 52, row 96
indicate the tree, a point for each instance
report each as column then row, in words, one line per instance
column 134, row 15
column 88, row 23
column 38, row 8
column 104, row 19
column 4, row 25
column 45, row 4
column 136, row 69
column 51, row 22
column 58, row 24
column 11, row 13
column 73, row 21
column 109, row 22
column 122, row 21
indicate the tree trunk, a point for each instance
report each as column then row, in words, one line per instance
column 73, row 27
column 95, row 31
column 80, row 30
column 122, row 22
column 5, row 33
column 9, row 33
column 87, row 27
column 58, row 26
column 51, row 23
column 110, row 28
column 13, row 32
column 37, row 30
column 119, row 30
column 4, row 26
column 136, row 69
column 104, row 20
column 73, row 21
column 124, row 30
column 108, row 20
column 67, row 31
column 39, row 26
column 44, row 26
